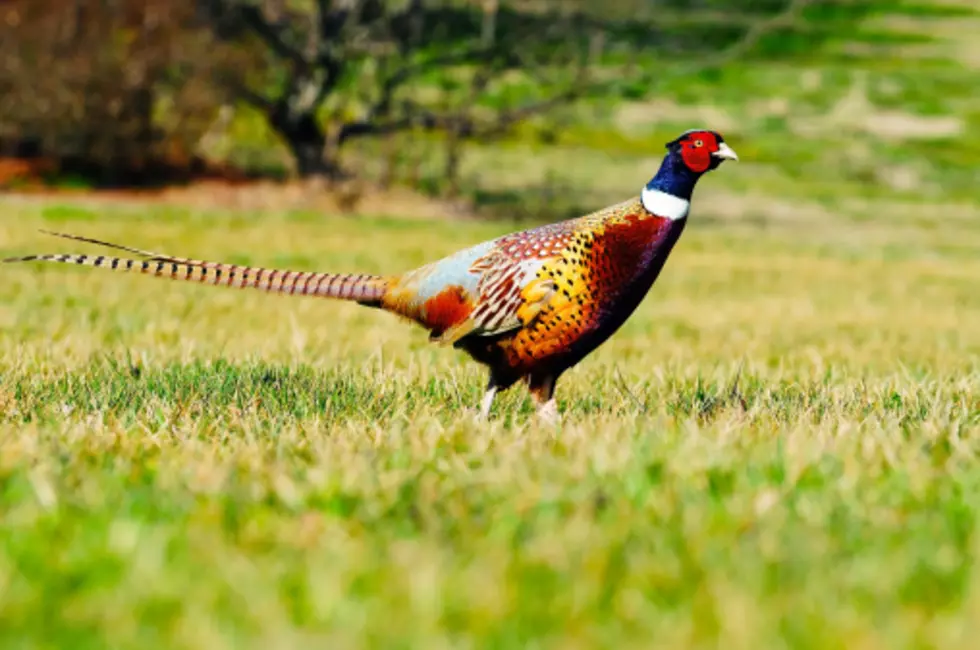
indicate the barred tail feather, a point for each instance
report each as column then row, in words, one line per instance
column 356, row 287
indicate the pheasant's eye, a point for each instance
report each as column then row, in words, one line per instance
column 699, row 143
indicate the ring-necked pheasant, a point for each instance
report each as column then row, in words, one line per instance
column 529, row 305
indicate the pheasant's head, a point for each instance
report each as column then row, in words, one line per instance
column 701, row 151
column 668, row 194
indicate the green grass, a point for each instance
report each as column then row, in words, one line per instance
column 778, row 450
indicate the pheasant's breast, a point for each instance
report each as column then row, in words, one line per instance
column 597, row 281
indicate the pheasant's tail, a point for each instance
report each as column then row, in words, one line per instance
column 361, row 288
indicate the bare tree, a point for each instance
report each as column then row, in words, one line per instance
column 344, row 69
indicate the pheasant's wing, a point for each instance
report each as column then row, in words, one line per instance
column 513, row 287
column 485, row 290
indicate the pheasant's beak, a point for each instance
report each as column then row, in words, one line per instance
column 725, row 152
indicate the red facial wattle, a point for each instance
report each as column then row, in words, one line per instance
column 696, row 151
column 696, row 158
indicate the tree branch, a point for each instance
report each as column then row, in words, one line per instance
column 240, row 89
column 507, row 119
column 251, row 17
column 427, row 120
column 407, row 72
column 271, row 35
column 752, row 36
column 461, row 122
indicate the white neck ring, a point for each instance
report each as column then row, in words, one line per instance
column 664, row 205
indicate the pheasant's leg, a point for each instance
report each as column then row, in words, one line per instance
column 542, row 389
column 487, row 400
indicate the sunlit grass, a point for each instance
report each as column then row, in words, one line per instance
column 778, row 450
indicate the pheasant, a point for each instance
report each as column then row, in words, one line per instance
column 528, row 305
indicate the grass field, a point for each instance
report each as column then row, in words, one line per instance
column 778, row 450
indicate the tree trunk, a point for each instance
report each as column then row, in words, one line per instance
column 309, row 158
column 307, row 142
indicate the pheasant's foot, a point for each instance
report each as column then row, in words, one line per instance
column 548, row 412
column 487, row 402
column 542, row 388
column 472, row 415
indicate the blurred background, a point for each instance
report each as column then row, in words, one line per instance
column 529, row 110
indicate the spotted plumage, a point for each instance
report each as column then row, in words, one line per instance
column 528, row 305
